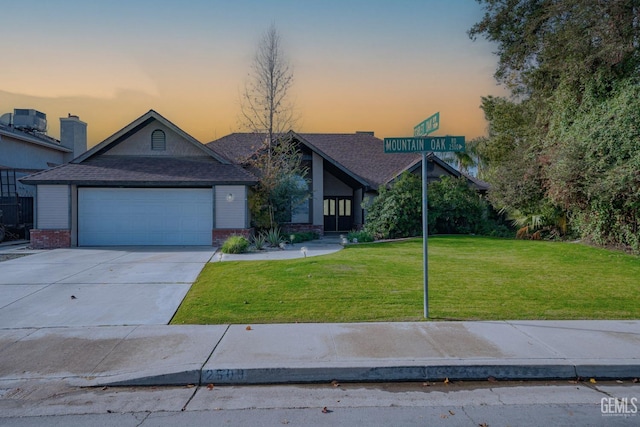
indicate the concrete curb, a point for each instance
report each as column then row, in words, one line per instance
column 465, row 372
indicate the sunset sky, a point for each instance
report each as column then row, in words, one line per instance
column 372, row 65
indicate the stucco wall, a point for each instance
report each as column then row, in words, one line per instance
column 334, row 187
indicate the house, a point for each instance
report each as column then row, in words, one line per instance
column 150, row 183
column 344, row 171
column 25, row 148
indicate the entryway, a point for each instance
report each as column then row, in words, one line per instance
column 338, row 214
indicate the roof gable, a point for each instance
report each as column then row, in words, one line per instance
column 361, row 155
column 135, row 140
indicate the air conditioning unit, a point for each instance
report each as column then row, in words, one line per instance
column 29, row 119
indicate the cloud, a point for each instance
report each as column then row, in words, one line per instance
column 72, row 73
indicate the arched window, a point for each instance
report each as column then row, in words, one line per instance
column 158, row 140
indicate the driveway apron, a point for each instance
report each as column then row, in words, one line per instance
column 98, row 286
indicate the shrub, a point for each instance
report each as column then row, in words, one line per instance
column 235, row 245
column 259, row 241
column 456, row 208
column 397, row 212
column 360, row 237
column 303, row 236
column 274, row 237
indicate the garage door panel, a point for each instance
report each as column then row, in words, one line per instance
column 115, row 216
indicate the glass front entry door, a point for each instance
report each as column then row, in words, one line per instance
column 338, row 213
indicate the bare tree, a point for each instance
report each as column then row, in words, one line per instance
column 266, row 106
column 267, row 111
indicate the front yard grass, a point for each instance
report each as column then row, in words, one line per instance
column 470, row 278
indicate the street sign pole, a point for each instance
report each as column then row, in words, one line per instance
column 424, row 144
column 425, row 235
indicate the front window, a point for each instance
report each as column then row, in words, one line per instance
column 300, row 205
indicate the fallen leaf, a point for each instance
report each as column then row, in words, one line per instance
column 285, row 421
column 73, row 297
column 483, row 425
column 619, row 382
column 446, row 380
column 105, row 388
column 443, row 416
column 248, row 328
column 335, row 383
column 635, row 380
column 592, row 380
column 451, row 412
column 325, row 410
column 492, row 379
column 210, row 386
column 425, row 384
column 190, row 386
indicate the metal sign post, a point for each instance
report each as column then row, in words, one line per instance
column 423, row 144
column 425, row 235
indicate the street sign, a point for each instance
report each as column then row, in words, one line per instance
column 421, row 144
column 427, row 126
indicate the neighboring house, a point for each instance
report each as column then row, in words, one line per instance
column 150, row 183
column 344, row 171
column 25, row 148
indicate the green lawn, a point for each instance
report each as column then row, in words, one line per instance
column 470, row 278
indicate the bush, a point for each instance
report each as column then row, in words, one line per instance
column 303, row 236
column 397, row 212
column 259, row 241
column 456, row 208
column 360, row 237
column 235, row 245
column 274, row 237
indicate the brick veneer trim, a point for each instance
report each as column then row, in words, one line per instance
column 300, row 228
column 219, row 235
column 50, row 239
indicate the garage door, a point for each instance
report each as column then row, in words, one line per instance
column 134, row 216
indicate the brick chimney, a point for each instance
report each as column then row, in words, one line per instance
column 73, row 135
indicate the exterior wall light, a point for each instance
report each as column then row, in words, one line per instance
column 230, row 197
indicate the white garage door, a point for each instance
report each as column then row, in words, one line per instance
column 135, row 216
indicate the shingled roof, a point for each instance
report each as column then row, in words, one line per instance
column 95, row 168
column 362, row 154
column 147, row 171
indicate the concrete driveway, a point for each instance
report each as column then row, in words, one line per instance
column 98, row 286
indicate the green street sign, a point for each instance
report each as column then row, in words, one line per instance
column 427, row 126
column 423, row 144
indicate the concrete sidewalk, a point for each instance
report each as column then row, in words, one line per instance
column 299, row 353
column 323, row 246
